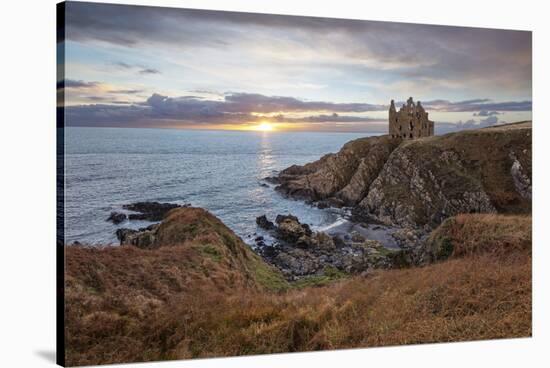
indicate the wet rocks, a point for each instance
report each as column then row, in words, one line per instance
column 124, row 234
column 149, row 211
column 299, row 251
column 290, row 230
column 264, row 223
column 357, row 237
column 117, row 217
column 259, row 240
column 408, row 237
column 142, row 238
column 272, row 180
column 146, row 211
column 330, row 202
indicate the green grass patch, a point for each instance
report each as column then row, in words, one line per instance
column 446, row 249
column 211, row 252
column 267, row 276
column 330, row 274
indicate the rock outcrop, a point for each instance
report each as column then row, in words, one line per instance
column 117, row 217
column 149, row 211
column 264, row 223
column 142, row 238
column 300, row 252
column 419, row 183
column 344, row 176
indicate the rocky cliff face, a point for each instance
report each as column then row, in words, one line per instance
column 344, row 176
column 420, row 183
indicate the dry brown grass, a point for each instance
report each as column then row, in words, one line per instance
column 464, row 299
column 126, row 304
column 498, row 235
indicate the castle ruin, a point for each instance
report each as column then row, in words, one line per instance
column 410, row 122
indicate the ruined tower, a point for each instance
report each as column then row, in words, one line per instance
column 410, row 122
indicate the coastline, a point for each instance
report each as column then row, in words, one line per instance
column 189, row 287
column 371, row 232
column 218, row 171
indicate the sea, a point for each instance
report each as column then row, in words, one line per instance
column 221, row 171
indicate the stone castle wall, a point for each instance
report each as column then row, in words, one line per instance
column 410, row 122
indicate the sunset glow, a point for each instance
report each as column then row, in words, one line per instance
column 264, row 127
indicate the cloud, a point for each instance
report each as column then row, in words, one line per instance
column 268, row 104
column 140, row 69
column 84, row 92
column 71, row 83
column 321, row 118
column 486, row 113
column 235, row 108
column 477, row 105
column 234, row 103
column 149, row 71
column 105, row 115
column 240, row 108
column 122, row 64
column 491, row 120
column 126, row 91
column 445, row 127
column 388, row 52
column 332, row 118
column 97, row 98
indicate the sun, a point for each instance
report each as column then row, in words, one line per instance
column 265, row 127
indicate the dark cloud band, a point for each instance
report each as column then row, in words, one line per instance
column 238, row 108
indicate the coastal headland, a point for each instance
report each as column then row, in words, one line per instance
column 457, row 209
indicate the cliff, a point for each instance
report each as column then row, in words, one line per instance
column 344, row 176
column 421, row 182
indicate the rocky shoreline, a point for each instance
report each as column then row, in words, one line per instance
column 147, row 211
column 419, row 183
column 154, row 294
column 396, row 192
column 300, row 252
column 296, row 251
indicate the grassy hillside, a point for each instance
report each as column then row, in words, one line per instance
column 202, row 293
column 114, row 293
column 469, row 235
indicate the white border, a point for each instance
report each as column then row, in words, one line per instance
column 27, row 184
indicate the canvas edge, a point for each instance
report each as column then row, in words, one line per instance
column 60, row 185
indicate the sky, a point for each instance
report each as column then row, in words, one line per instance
column 133, row 66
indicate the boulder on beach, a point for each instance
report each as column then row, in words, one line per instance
column 149, row 211
column 264, row 223
column 117, row 217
